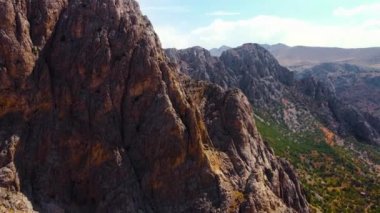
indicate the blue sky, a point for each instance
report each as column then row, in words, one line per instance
column 212, row 23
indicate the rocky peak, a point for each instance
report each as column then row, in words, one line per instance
column 198, row 63
column 257, row 61
column 106, row 123
column 218, row 51
column 252, row 69
column 295, row 100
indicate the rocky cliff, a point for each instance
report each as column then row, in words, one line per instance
column 351, row 95
column 268, row 86
column 299, row 102
column 93, row 118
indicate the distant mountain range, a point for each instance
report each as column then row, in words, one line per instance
column 300, row 57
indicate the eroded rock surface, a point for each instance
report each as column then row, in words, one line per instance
column 330, row 94
column 351, row 93
column 256, row 72
column 104, row 123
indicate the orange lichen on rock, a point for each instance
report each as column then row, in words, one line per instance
column 139, row 87
column 11, row 103
column 237, row 198
column 156, row 184
column 329, row 136
column 45, row 106
column 99, row 155
column 214, row 160
column 179, row 160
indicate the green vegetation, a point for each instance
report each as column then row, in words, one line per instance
column 335, row 178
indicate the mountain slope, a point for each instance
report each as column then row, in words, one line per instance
column 93, row 118
column 343, row 90
column 254, row 71
column 358, row 86
column 304, row 120
column 274, row 91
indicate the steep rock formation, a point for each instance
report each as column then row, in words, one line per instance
column 244, row 162
column 300, row 102
column 257, row 73
column 200, row 65
column 354, row 85
column 10, row 198
column 345, row 98
column 94, row 119
column 261, row 78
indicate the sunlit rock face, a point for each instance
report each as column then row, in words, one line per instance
column 93, row 118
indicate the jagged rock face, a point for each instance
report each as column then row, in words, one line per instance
column 357, row 86
column 10, row 198
column 103, row 122
column 256, row 61
column 252, row 69
column 200, row 65
column 264, row 82
column 244, row 164
column 300, row 102
column 346, row 98
column 8, row 173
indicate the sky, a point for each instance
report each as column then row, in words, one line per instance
column 213, row 23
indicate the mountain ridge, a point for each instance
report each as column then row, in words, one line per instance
column 271, row 88
column 299, row 57
column 301, row 117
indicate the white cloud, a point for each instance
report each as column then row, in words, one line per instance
column 222, row 13
column 273, row 29
column 366, row 9
column 170, row 37
column 171, row 9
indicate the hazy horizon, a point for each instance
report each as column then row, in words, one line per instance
column 211, row 24
column 332, row 47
